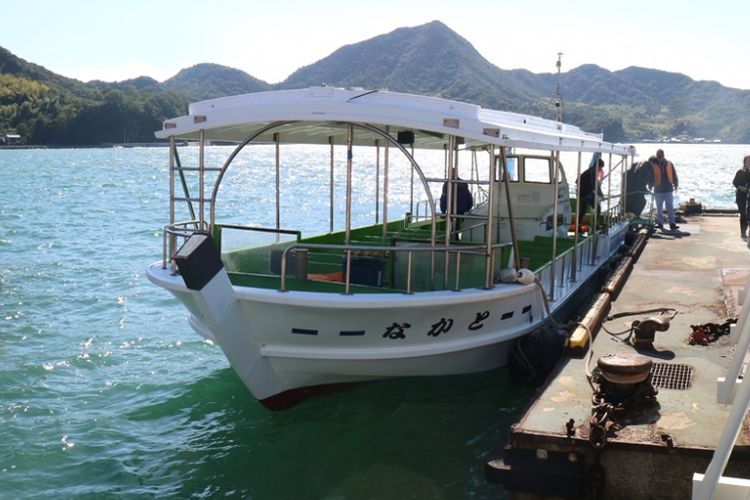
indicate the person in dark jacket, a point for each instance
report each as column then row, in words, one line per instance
column 461, row 196
column 664, row 181
column 637, row 178
column 590, row 187
column 742, row 184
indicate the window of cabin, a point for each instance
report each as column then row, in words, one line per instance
column 537, row 170
column 512, row 167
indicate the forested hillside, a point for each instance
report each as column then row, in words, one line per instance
column 48, row 109
column 206, row 81
column 630, row 105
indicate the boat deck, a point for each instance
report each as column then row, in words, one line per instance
column 657, row 447
column 383, row 270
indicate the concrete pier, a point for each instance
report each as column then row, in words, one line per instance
column 651, row 448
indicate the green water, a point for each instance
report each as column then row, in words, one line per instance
column 106, row 392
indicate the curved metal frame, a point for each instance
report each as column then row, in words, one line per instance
column 364, row 126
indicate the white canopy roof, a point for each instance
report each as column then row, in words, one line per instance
column 315, row 116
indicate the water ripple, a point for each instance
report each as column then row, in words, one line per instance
column 105, row 392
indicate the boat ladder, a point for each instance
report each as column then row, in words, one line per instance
column 182, row 178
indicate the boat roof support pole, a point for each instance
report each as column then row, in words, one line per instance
column 277, row 143
column 348, row 228
column 626, row 162
column 172, row 152
column 452, row 161
column 555, row 170
column 181, row 172
column 574, row 256
column 377, row 181
column 609, row 190
column 594, row 230
column 623, row 184
column 330, row 188
column 386, row 158
column 489, row 237
column 411, row 185
column 506, row 181
column 202, row 179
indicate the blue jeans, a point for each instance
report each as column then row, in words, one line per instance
column 661, row 199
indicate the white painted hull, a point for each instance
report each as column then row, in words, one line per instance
column 281, row 341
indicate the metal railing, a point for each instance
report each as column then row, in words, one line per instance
column 566, row 262
column 712, row 485
column 347, row 250
column 178, row 230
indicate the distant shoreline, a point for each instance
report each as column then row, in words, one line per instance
column 91, row 146
column 166, row 144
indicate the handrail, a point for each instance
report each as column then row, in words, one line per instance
column 295, row 232
column 567, row 263
column 178, row 229
column 347, row 249
column 182, row 229
column 562, row 258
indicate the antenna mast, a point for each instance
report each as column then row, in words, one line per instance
column 558, row 96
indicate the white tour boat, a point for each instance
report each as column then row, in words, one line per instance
column 418, row 293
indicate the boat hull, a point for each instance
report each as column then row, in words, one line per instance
column 312, row 338
column 286, row 345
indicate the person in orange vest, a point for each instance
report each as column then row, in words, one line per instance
column 664, row 181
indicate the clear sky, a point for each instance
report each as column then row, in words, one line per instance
column 114, row 40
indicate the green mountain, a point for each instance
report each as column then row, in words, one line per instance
column 207, row 81
column 429, row 59
column 630, row 105
column 49, row 109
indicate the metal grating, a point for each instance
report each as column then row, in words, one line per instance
column 671, row 376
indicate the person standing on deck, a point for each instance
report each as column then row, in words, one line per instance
column 590, row 186
column 742, row 183
column 462, row 200
column 664, row 181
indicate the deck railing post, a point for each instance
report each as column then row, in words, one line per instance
column 377, row 180
column 489, row 228
column 386, row 167
column 202, row 180
column 511, row 218
column 574, row 268
column 408, row 272
column 172, row 239
column 277, row 144
column 330, row 186
column 457, row 286
column 556, row 189
column 348, row 267
column 349, row 153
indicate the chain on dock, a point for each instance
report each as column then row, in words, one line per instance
column 709, row 332
column 608, row 404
